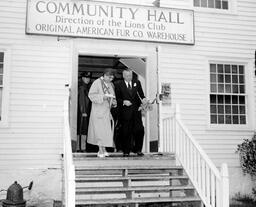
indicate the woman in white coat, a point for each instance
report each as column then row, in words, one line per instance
column 101, row 124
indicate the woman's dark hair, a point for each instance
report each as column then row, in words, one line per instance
column 109, row 71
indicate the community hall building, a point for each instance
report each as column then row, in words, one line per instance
column 195, row 57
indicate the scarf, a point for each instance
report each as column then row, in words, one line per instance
column 106, row 90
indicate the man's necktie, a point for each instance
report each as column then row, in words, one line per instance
column 129, row 86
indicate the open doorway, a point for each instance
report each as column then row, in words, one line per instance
column 95, row 65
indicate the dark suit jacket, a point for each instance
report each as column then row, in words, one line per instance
column 134, row 95
column 84, row 106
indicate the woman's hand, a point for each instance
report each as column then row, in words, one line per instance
column 107, row 95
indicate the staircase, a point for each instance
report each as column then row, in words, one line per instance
column 132, row 181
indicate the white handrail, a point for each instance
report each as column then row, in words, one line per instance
column 211, row 184
column 69, row 169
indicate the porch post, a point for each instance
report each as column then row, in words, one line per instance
column 224, row 185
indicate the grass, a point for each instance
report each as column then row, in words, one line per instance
column 243, row 201
column 242, row 205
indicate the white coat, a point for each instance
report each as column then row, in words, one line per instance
column 101, row 123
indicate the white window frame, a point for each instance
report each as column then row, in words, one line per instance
column 232, row 8
column 5, row 94
column 249, row 95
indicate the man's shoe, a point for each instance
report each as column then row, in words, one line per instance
column 125, row 155
column 140, row 154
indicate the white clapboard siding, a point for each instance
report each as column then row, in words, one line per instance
column 39, row 69
column 137, row 2
column 176, row 3
column 163, row 3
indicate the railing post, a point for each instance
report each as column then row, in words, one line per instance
column 176, row 128
column 69, row 169
column 224, row 185
column 177, row 111
column 160, row 134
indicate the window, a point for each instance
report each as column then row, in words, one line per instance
column 215, row 4
column 4, row 86
column 1, row 81
column 227, row 94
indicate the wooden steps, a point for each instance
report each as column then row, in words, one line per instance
column 133, row 180
column 138, row 201
column 84, row 178
column 95, row 190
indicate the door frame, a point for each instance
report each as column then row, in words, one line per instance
column 80, row 49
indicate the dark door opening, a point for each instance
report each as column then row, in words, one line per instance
column 94, row 66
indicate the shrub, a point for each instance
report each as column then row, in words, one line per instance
column 247, row 153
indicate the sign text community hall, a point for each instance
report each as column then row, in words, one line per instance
column 109, row 20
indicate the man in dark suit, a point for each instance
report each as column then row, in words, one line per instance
column 129, row 95
column 84, row 110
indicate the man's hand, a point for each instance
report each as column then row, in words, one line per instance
column 84, row 115
column 127, row 103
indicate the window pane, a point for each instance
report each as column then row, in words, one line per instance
column 213, row 109
column 228, row 78
column 220, row 109
column 241, row 100
column 235, row 89
column 227, row 88
column 213, row 78
column 234, row 79
column 242, row 109
column 221, row 78
column 227, row 99
column 241, row 79
column 228, row 119
column 1, row 57
column 228, row 109
column 220, row 99
column 242, row 120
column 213, row 99
column 234, row 69
column 203, row 3
column 210, row 3
column 213, row 88
column 227, row 69
column 221, row 88
column 1, row 96
column 224, row 5
column 221, row 119
column 213, row 119
column 241, row 69
column 196, row 2
column 234, row 109
column 235, row 119
column 241, row 89
column 220, row 68
column 234, row 100
column 213, row 68
column 217, row 4
column 1, row 68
